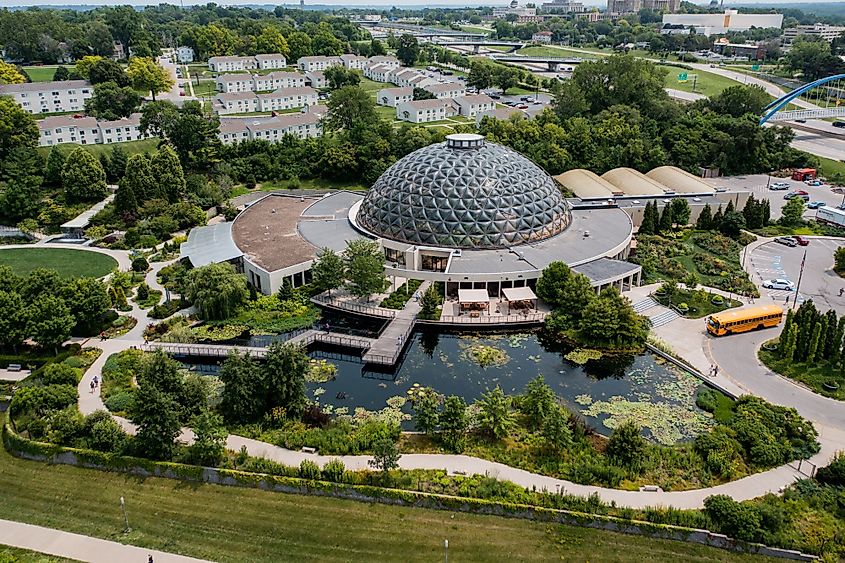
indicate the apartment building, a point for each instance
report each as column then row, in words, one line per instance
column 60, row 129
column 276, row 80
column 423, row 111
column 379, row 73
column 231, row 64
column 446, row 89
column 270, row 61
column 392, row 97
column 308, row 64
column 235, row 102
column 385, row 60
column 826, row 32
column 354, row 62
column 234, row 83
column 50, row 97
column 472, row 105
column 287, row 98
column 315, row 79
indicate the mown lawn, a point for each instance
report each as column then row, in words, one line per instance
column 814, row 375
column 68, row 263
column 707, row 83
column 17, row 555
column 230, row 524
column 43, row 73
column 131, row 147
column 828, row 167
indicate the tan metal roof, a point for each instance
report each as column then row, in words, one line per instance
column 680, row 181
column 586, row 184
column 631, row 182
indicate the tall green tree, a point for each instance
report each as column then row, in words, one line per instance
column 651, row 219
column 453, row 423
column 168, row 174
column 216, row 290
column 328, row 271
column 147, row 75
column 50, row 322
column 680, row 211
column 284, row 379
column 705, row 219
column 14, row 320
column 350, row 107
column 495, row 418
column 385, row 456
column 537, row 402
column 506, row 78
column 17, row 128
column 88, row 302
column 408, row 50
column 242, row 398
column 793, row 212
column 111, row 101
column 210, row 435
column 338, row 77
column 364, row 268
column 612, row 320
column 566, row 291
column 157, row 415
column 53, row 167
column 83, row 177
column 739, row 100
column 137, row 186
column 107, row 70
column 666, row 219
column 556, row 431
column 626, row 445
column 426, row 416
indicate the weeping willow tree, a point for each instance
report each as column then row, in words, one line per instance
column 216, row 291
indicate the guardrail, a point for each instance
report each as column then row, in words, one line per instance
column 494, row 319
column 208, row 350
column 353, row 307
column 336, row 340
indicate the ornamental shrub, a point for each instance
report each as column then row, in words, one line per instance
column 140, row 264
column 309, row 470
column 60, row 374
column 334, row 470
column 738, row 520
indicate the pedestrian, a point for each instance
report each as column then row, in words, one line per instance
column 150, row 559
column 715, row 371
column 328, row 327
column 710, row 373
column 399, row 341
column 841, row 291
column 103, row 333
column 92, row 386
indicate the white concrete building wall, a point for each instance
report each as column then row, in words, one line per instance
column 270, row 61
column 235, row 83
column 184, row 55
column 287, row 98
column 392, row 97
column 417, row 112
column 317, row 63
column 316, row 79
column 276, row 80
column 236, row 104
column 50, row 97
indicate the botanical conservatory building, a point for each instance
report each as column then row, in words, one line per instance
column 472, row 214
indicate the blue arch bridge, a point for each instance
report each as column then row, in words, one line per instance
column 826, row 95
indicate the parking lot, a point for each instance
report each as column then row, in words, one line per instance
column 819, row 282
column 756, row 184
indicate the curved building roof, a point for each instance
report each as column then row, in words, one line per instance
column 464, row 193
column 587, row 184
column 680, row 181
column 631, row 182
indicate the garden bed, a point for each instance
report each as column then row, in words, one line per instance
column 400, row 297
column 699, row 303
column 820, row 377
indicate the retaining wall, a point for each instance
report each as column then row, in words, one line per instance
column 50, row 453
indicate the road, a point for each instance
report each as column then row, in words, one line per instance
column 175, row 94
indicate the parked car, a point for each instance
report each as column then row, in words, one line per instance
column 523, row 106
column 814, row 183
column 840, row 124
column 779, row 186
column 805, row 196
column 786, row 241
column 779, row 284
column 815, row 204
column 495, row 96
column 801, row 240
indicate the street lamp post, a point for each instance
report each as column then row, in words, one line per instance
column 446, row 549
column 126, row 529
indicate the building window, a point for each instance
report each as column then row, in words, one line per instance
column 434, row 263
column 394, row 256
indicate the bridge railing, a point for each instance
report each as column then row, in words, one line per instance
column 494, row 319
column 336, row 303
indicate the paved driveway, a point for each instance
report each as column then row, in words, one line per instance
column 756, row 184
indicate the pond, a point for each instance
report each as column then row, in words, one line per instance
column 605, row 391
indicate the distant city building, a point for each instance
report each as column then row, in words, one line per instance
column 633, row 6
column 50, row 97
column 753, row 51
column 542, row 37
column 564, row 7
column 826, row 32
column 59, row 129
column 523, row 15
column 717, row 24
column 184, row 55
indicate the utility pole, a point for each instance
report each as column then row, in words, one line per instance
column 800, row 275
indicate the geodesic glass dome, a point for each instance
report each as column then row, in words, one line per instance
column 464, row 193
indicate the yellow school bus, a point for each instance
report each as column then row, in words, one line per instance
column 742, row 320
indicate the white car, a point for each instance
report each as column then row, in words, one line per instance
column 779, row 284
column 779, row 186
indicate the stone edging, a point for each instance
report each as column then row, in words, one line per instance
column 36, row 451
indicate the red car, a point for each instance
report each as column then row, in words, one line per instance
column 801, row 240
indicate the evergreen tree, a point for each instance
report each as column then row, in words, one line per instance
column 666, row 219
column 705, row 219
column 118, row 159
column 168, row 174
column 53, row 168
column 787, row 324
column 242, row 398
column 814, row 342
column 650, row 219
column 830, row 333
column 453, row 423
column 680, row 211
column 765, row 213
column 124, row 198
column 730, row 207
column 791, row 339
column 752, row 213
column 139, row 180
column 836, row 348
column 83, row 177
column 717, row 218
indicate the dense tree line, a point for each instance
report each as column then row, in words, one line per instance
column 810, row 336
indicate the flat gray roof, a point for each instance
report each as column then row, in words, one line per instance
column 606, row 269
column 209, row 245
column 608, row 228
column 325, row 224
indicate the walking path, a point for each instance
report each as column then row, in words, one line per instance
column 79, row 547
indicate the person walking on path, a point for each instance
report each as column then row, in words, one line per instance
column 92, row 386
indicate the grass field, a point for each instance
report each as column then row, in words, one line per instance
column 828, row 166
column 544, row 51
column 16, row 555
column 67, row 262
column 43, row 73
column 707, row 83
column 231, row 524
column 131, row 147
